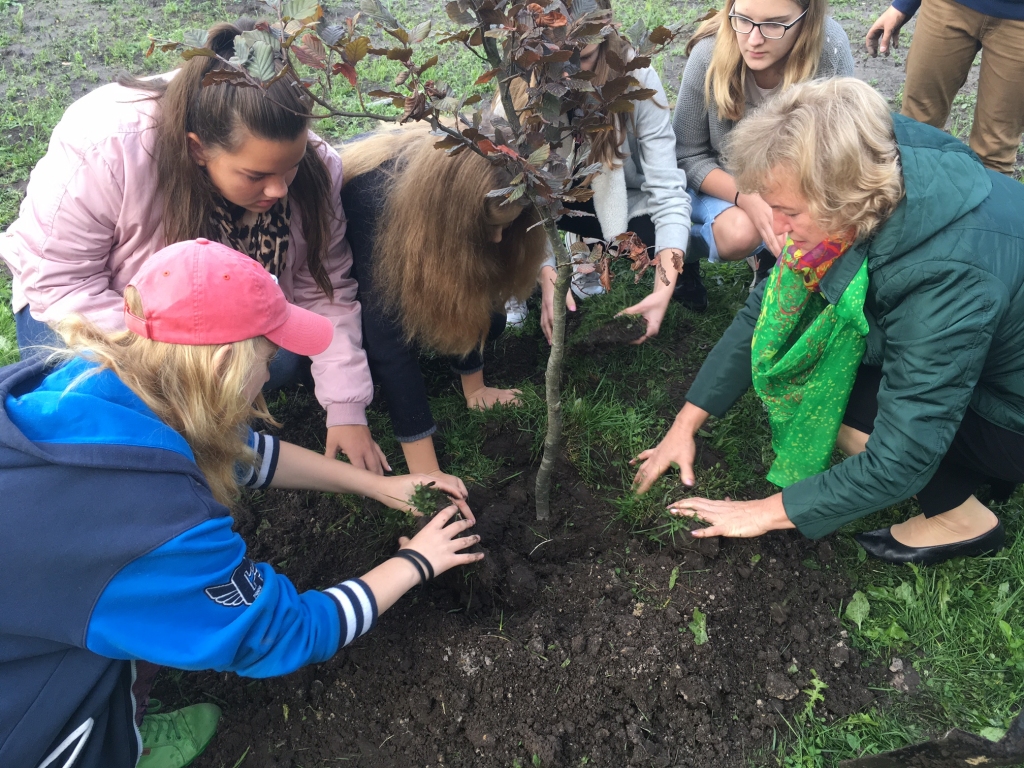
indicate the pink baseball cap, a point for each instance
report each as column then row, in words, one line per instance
column 199, row 292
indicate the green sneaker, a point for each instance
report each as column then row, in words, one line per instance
column 175, row 739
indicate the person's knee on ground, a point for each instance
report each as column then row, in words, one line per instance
column 736, row 237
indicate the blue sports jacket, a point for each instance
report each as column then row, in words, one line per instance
column 112, row 550
column 1001, row 9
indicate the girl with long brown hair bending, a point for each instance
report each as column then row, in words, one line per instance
column 139, row 164
column 436, row 260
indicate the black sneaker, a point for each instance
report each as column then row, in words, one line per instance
column 765, row 260
column 690, row 290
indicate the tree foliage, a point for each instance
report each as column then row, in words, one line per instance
column 543, row 142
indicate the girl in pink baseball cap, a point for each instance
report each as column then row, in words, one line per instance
column 120, row 458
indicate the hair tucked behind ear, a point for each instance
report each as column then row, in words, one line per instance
column 221, row 115
column 434, row 263
column 183, row 387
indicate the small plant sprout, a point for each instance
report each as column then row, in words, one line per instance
column 672, row 577
column 699, row 627
column 428, row 499
column 815, row 694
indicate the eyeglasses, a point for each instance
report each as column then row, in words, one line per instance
column 770, row 30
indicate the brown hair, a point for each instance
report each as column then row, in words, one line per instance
column 434, row 264
column 836, row 137
column 182, row 385
column 221, row 114
column 727, row 72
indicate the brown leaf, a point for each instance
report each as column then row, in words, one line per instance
column 604, row 267
column 356, row 49
column 415, row 107
column 427, row 65
column 348, row 71
column 712, row 12
column 216, row 76
column 486, row 76
column 541, row 19
column 660, row 35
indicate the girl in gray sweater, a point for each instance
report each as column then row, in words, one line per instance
column 737, row 60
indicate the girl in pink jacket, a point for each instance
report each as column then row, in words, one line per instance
column 139, row 164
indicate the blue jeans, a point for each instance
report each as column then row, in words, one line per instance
column 33, row 336
column 286, row 370
column 704, row 209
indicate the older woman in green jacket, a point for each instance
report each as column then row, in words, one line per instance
column 893, row 328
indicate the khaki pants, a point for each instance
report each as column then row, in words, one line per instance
column 948, row 37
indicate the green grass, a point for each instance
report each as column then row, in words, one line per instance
column 960, row 626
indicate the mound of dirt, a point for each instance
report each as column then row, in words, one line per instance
column 565, row 643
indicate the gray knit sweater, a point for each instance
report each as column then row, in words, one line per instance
column 699, row 130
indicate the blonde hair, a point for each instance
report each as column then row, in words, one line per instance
column 434, row 263
column 836, row 137
column 182, row 385
column 727, row 72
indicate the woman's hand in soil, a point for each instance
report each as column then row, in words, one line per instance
column 736, row 519
column 441, row 544
column 761, row 215
column 485, row 398
column 652, row 308
column 396, row 492
column 355, row 441
column 547, row 301
column 678, row 447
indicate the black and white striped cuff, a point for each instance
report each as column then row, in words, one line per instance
column 357, row 609
column 267, row 448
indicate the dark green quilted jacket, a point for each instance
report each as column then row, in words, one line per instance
column 945, row 304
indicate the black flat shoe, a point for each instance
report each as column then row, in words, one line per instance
column 882, row 545
column 690, row 290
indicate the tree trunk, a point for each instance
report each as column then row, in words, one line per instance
column 553, row 375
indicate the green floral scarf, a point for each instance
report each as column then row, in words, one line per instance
column 805, row 356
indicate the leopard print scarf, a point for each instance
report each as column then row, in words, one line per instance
column 265, row 239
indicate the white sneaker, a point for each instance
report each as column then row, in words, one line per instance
column 586, row 281
column 586, row 284
column 516, row 312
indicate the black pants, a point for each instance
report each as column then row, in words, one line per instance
column 981, row 452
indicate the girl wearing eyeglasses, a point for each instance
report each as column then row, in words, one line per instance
column 748, row 51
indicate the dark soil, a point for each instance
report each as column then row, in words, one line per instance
column 623, row 329
column 565, row 643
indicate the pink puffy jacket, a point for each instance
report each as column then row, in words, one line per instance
column 92, row 215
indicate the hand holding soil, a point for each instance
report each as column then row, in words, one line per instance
column 441, row 542
column 398, row 492
column 734, row 519
column 652, row 309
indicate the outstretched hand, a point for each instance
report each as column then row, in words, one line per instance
column 678, row 447
column 734, row 519
column 355, row 441
column 440, row 543
column 397, row 492
column 886, row 29
column 485, row 398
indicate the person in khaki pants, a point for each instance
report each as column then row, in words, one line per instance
column 949, row 35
